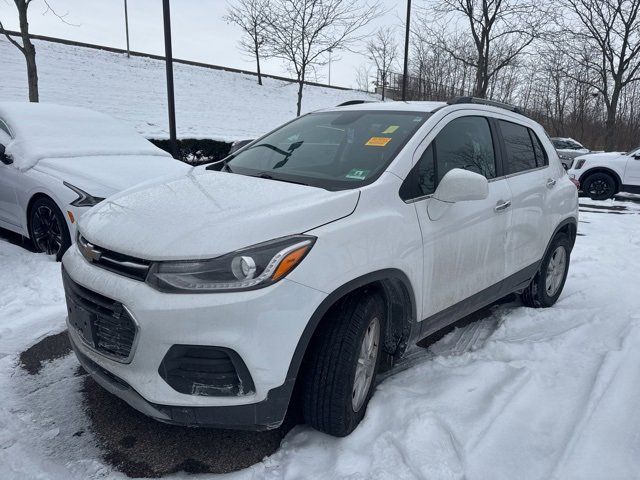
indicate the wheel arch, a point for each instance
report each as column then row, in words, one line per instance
column 398, row 294
column 32, row 200
column 569, row 227
column 607, row 170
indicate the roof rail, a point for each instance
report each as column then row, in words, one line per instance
column 353, row 102
column 484, row 101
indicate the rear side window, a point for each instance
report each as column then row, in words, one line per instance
column 523, row 148
column 465, row 143
column 541, row 154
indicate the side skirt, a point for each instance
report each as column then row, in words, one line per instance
column 630, row 188
column 452, row 314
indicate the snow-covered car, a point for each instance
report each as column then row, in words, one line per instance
column 56, row 162
column 568, row 149
column 602, row 175
column 313, row 258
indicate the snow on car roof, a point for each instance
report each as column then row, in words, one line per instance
column 42, row 130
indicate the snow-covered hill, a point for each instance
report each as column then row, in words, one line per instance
column 210, row 103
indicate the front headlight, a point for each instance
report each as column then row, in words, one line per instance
column 84, row 199
column 246, row 269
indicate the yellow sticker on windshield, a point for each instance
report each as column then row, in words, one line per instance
column 391, row 128
column 378, row 141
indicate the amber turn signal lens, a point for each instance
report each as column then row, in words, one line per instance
column 71, row 217
column 289, row 262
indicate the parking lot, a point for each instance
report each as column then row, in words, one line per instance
column 534, row 386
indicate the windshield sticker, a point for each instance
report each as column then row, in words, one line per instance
column 417, row 119
column 391, row 128
column 378, row 141
column 357, row 174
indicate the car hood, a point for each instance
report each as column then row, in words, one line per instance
column 204, row 214
column 602, row 156
column 104, row 175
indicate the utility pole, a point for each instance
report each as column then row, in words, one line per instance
column 126, row 26
column 406, row 53
column 173, row 142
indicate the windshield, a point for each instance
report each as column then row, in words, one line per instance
column 635, row 151
column 332, row 150
column 566, row 144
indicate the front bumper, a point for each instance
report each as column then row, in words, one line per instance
column 263, row 326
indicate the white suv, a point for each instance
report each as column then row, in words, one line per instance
column 602, row 175
column 314, row 258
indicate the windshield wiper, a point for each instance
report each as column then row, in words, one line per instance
column 271, row 177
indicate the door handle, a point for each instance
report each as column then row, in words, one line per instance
column 551, row 183
column 502, row 206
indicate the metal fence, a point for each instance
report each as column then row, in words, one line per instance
column 417, row 88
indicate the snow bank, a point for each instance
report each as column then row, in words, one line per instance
column 210, row 103
column 53, row 131
column 523, row 394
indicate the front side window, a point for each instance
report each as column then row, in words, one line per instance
column 333, row 150
column 465, row 143
column 521, row 155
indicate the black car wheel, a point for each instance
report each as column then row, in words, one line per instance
column 599, row 186
column 48, row 228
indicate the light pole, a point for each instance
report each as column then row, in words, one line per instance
column 126, row 26
column 406, row 52
column 173, row 142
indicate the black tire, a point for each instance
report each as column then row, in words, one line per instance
column 599, row 186
column 330, row 369
column 538, row 293
column 48, row 228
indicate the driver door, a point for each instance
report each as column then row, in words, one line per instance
column 464, row 249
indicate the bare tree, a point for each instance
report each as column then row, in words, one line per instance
column 26, row 47
column 383, row 50
column 495, row 34
column 251, row 17
column 302, row 32
column 612, row 29
column 363, row 74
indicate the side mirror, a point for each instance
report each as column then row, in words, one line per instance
column 4, row 158
column 462, row 185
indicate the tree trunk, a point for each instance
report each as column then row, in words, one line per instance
column 29, row 51
column 257, row 52
column 299, row 103
column 301, row 79
column 610, row 126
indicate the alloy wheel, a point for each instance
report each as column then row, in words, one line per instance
column 47, row 231
column 366, row 364
column 555, row 270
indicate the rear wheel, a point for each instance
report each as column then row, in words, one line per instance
column 48, row 228
column 547, row 285
column 342, row 365
column 599, row 186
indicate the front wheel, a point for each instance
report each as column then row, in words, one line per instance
column 48, row 228
column 340, row 374
column 599, row 186
column 547, row 285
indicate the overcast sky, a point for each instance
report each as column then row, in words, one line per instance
column 199, row 33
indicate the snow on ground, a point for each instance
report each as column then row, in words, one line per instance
column 210, row 103
column 524, row 393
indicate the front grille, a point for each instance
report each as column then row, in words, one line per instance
column 104, row 324
column 205, row 370
column 115, row 262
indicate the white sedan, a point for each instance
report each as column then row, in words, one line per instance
column 56, row 162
